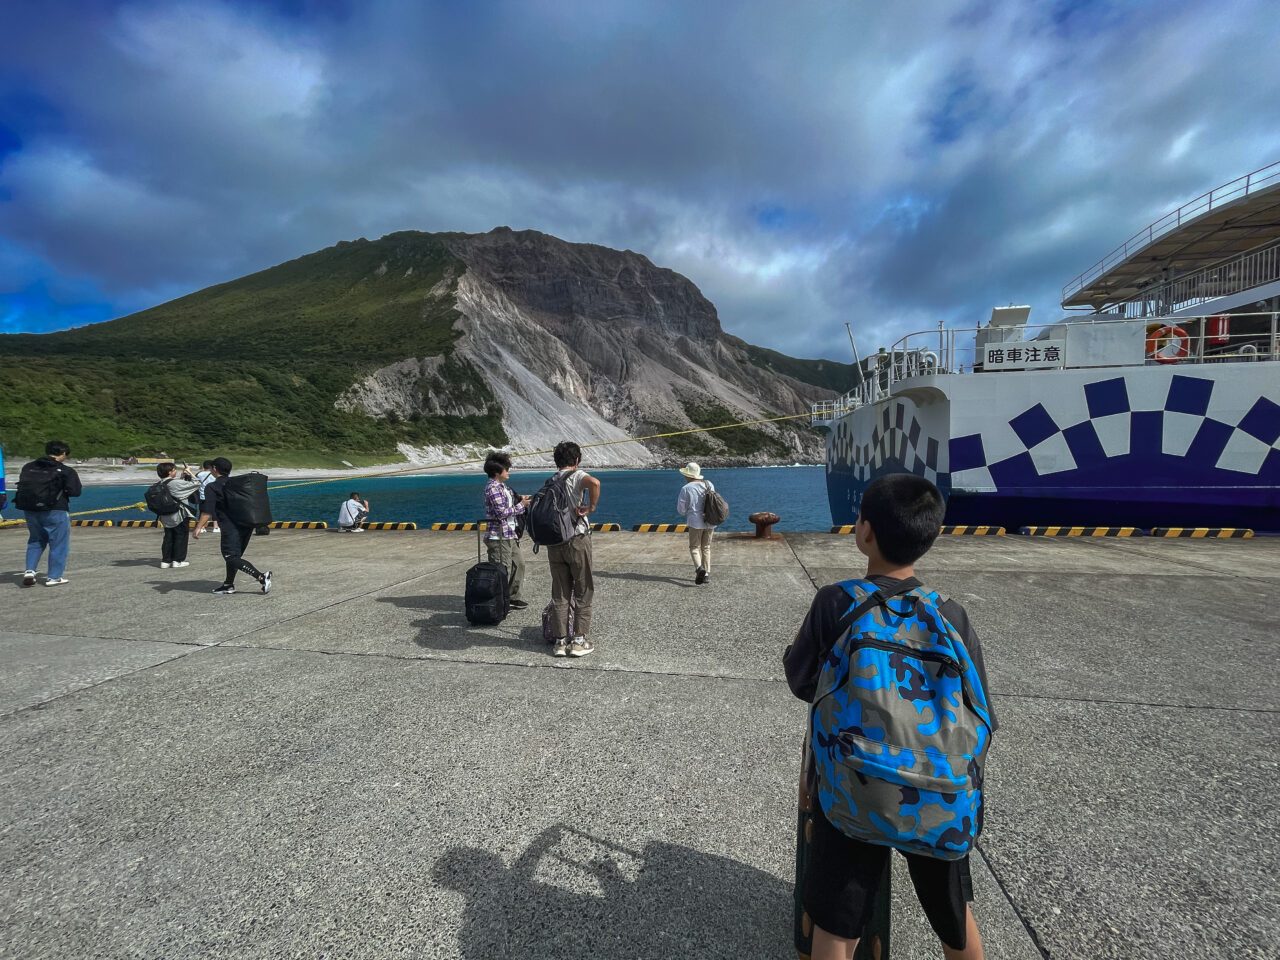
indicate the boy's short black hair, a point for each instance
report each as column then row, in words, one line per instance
column 206, row 465
column 905, row 513
column 495, row 463
column 163, row 469
column 353, row 496
column 567, row 453
column 56, row 448
column 222, row 465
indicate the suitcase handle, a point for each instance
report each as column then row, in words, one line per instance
column 481, row 526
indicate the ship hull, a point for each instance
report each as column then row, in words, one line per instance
column 1143, row 446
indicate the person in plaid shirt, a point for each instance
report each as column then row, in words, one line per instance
column 501, row 507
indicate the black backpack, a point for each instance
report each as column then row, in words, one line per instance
column 39, row 486
column 551, row 519
column 246, row 498
column 160, row 499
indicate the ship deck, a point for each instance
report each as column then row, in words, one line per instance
column 346, row 768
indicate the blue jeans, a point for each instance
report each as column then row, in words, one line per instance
column 52, row 529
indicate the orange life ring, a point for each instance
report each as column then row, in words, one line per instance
column 1168, row 344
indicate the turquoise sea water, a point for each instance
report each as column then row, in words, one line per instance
column 627, row 497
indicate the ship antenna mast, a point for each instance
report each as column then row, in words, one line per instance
column 857, row 361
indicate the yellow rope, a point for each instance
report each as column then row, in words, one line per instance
column 421, row 468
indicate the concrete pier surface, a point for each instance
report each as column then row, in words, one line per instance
column 346, row 768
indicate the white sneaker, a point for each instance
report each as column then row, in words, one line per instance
column 29, row 578
column 165, row 564
column 357, row 529
column 54, row 582
column 180, row 563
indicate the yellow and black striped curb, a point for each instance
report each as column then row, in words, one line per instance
column 457, row 526
column 973, row 531
column 137, row 523
column 91, row 523
column 606, row 526
column 660, row 527
column 389, row 526
column 1081, row 532
column 298, row 525
column 1197, row 533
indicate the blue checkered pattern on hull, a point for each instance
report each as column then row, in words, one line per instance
column 1116, row 435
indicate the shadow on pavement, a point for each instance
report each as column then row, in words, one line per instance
column 447, row 627
column 573, row 896
column 678, row 581
column 137, row 562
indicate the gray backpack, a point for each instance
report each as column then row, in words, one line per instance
column 715, row 509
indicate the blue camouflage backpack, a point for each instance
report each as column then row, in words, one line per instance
column 900, row 726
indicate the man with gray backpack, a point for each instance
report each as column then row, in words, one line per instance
column 557, row 520
column 898, row 732
column 703, row 510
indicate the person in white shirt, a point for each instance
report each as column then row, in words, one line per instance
column 352, row 513
column 693, row 495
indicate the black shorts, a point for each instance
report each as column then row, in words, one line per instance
column 843, row 875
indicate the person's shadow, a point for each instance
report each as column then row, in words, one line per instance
column 573, row 896
column 643, row 578
column 445, row 628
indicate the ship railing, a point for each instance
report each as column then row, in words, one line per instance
column 825, row 413
column 1237, row 275
column 1236, row 189
column 1244, row 337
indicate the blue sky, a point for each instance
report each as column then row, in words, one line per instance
column 804, row 163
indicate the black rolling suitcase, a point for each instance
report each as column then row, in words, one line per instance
column 486, row 595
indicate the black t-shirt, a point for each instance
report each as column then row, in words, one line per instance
column 215, row 501
column 823, row 626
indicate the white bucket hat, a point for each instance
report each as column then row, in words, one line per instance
column 692, row 471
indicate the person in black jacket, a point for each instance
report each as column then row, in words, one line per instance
column 235, row 537
column 44, row 487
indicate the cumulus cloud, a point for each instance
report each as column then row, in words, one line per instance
column 805, row 164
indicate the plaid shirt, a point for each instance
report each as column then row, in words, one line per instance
column 501, row 510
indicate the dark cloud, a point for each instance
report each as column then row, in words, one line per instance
column 805, row 164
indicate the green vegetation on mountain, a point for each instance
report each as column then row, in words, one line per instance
column 256, row 368
column 251, row 366
column 821, row 373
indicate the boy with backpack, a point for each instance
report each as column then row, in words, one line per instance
column 44, row 487
column 170, row 499
column 558, row 521
column 898, row 730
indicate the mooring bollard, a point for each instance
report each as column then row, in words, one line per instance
column 764, row 522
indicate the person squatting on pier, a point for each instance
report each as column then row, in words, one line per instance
column 352, row 513
column 173, row 551
column 571, row 561
column 501, row 507
column 690, row 503
column 235, row 538
column 900, row 517
column 44, row 487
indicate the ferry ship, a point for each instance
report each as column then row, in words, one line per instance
column 1158, row 407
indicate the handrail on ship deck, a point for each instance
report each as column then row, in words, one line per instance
column 943, row 352
column 1233, row 190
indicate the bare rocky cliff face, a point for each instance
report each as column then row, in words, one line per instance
column 582, row 342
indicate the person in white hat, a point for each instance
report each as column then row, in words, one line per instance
column 693, row 495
